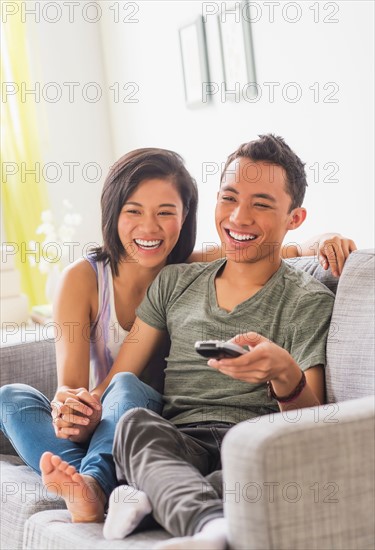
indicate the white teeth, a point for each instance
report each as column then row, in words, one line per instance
column 147, row 244
column 241, row 237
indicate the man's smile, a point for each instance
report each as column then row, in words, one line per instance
column 240, row 236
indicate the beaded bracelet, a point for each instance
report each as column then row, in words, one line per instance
column 292, row 396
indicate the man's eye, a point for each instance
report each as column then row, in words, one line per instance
column 228, row 198
column 261, row 205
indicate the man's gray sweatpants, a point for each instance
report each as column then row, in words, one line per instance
column 170, row 464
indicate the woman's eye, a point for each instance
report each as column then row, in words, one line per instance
column 227, row 198
column 132, row 211
column 165, row 213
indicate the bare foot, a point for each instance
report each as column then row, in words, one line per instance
column 83, row 496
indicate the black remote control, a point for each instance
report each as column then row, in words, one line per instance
column 218, row 349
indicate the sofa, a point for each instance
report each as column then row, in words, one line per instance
column 297, row 480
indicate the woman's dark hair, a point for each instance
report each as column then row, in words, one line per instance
column 123, row 179
column 274, row 150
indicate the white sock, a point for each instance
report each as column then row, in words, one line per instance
column 212, row 537
column 127, row 508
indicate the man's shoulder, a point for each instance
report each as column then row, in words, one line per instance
column 186, row 273
column 302, row 283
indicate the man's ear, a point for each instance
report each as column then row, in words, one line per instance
column 296, row 218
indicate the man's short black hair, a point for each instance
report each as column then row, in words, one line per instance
column 273, row 150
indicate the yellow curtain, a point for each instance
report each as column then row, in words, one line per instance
column 23, row 196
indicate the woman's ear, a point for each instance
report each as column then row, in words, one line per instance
column 297, row 217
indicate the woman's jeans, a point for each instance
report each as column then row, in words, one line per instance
column 27, row 422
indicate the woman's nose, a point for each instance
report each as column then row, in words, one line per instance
column 150, row 223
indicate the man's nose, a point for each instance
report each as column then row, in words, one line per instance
column 241, row 215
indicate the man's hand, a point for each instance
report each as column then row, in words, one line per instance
column 75, row 413
column 265, row 361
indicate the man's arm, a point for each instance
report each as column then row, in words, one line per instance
column 135, row 352
column 266, row 361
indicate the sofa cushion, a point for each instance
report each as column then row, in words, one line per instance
column 54, row 529
column 350, row 345
column 22, row 495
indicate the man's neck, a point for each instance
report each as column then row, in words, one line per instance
column 251, row 274
column 240, row 281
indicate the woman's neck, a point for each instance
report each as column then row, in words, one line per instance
column 133, row 275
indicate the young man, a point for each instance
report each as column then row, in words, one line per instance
column 252, row 297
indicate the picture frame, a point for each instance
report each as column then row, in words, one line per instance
column 237, row 51
column 194, row 59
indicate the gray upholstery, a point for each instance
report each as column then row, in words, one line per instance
column 350, row 345
column 54, row 530
column 302, row 480
column 33, row 363
column 326, row 453
column 22, row 495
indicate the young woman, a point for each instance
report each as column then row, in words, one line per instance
column 149, row 204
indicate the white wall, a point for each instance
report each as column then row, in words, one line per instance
column 147, row 53
column 73, row 129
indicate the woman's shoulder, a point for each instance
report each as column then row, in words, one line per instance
column 80, row 271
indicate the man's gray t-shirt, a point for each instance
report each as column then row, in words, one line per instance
column 292, row 309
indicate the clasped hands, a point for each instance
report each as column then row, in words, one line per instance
column 75, row 413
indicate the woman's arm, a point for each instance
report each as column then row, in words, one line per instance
column 73, row 313
column 332, row 250
column 134, row 355
column 74, row 309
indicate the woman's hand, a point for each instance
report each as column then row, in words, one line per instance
column 75, row 413
column 332, row 250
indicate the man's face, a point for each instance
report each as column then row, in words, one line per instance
column 252, row 211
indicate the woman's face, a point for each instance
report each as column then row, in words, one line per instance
column 150, row 222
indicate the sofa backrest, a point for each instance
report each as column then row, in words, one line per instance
column 350, row 345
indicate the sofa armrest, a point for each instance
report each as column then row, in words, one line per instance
column 302, row 479
column 32, row 363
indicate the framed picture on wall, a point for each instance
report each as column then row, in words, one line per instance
column 194, row 59
column 237, row 48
